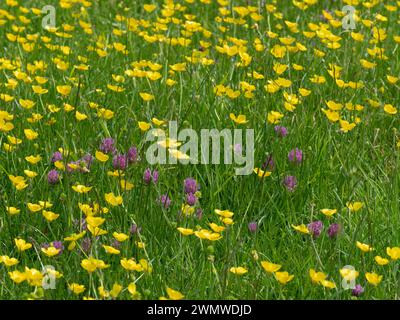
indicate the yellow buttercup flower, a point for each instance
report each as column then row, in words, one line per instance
column 224, row 213
column 64, row 90
column 51, row 251
column 115, row 291
column 354, row 206
column 348, row 274
column 185, row 232
column 328, row 284
column 49, row 215
column 283, row 277
column 111, row 250
column 30, row 174
column 174, row 294
column 33, row 159
column 373, row 278
column 76, row 288
column 270, row 267
column 81, row 188
column 91, row 264
column 126, row 185
column 262, row 173
column 22, row 245
column 328, row 212
column 238, row 270
column 115, row 88
column 131, row 265
column 381, row 261
column 95, row 221
column 393, row 253
column 113, row 199
column 102, row 157
column 274, row 117
column 96, row 231
column 364, row 247
column 26, row 104
column 8, row 262
column 17, row 276
column 216, row 228
column 146, row 96
column 240, row 119
column 12, row 210
column 33, row 207
column 121, row 237
column 144, row 126
column 302, row 228
column 149, row 7
column 317, row 277
column 80, row 116
column 390, row 109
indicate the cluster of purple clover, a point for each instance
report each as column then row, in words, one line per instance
column 152, row 176
column 295, row 156
column 164, row 201
column 120, row 160
column 191, row 187
column 53, row 177
column 149, row 176
column 83, row 164
column 316, row 228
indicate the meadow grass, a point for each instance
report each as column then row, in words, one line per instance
column 342, row 163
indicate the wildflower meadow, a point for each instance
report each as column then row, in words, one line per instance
column 199, row 149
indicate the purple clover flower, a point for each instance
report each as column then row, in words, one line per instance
column 165, row 201
column 120, row 162
column 281, row 131
column 253, row 226
column 333, row 230
column 357, row 291
column 191, row 199
column 315, row 228
column 290, row 183
column 199, row 213
column 148, row 176
column 269, row 163
column 155, row 176
column 296, row 156
column 134, row 229
column 86, row 244
column 132, row 154
column 191, row 185
column 58, row 245
column 107, row 145
column 57, row 156
column 53, row 177
column 116, row 244
column 87, row 160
